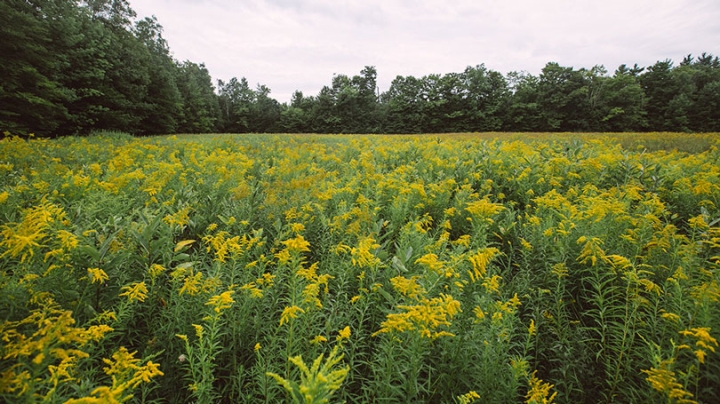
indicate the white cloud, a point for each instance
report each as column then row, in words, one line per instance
column 299, row 44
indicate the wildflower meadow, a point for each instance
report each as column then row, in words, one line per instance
column 491, row 268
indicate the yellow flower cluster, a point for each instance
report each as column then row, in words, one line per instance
column 225, row 246
column 297, row 244
column 539, row 391
column 408, row 287
column 704, row 341
column 135, row 292
column 662, row 378
column 97, row 275
column 52, row 351
column 311, row 292
column 221, row 302
column 484, row 210
column 127, row 374
column 425, row 317
column 266, row 281
column 362, row 255
column 317, row 382
column 468, row 397
column 480, row 261
column 289, row 313
column 22, row 239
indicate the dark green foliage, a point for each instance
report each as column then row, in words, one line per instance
column 163, row 101
column 619, row 103
column 74, row 67
column 243, row 110
column 200, row 109
column 30, row 97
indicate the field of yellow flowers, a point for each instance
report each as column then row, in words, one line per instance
column 441, row 269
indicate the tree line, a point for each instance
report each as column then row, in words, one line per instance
column 73, row 67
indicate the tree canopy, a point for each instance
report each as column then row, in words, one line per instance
column 73, row 67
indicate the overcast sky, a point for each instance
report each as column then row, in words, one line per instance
column 291, row 45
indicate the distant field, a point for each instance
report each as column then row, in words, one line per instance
column 484, row 267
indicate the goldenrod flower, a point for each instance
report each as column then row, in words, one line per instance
column 18, row 243
column 704, row 341
column 198, row 330
column 408, row 287
column 514, row 301
column 468, row 397
column 425, row 317
column 308, row 273
column 492, row 284
column 221, row 302
column 127, row 374
column 290, row 312
column 225, row 246
column 266, row 280
column 519, row 366
column 283, row 257
column 318, row 382
column 95, row 168
column 362, row 256
column 484, row 209
column 539, row 392
column 591, row 250
column 480, row 261
column 344, row 334
column 707, row 291
column 318, row 339
column 135, row 292
column 341, row 248
column 431, row 262
column 297, row 228
column 255, row 292
column 97, row 332
column 68, row 241
column 297, row 244
column 155, row 270
column 191, row 285
column 20, row 239
column 463, row 241
column 310, row 295
column 179, row 218
column 97, row 275
column 148, row 371
column 106, row 316
column 698, row 223
column 662, row 379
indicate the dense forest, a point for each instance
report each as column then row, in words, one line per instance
column 74, row 67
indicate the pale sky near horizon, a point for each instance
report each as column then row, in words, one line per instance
column 291, row 45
